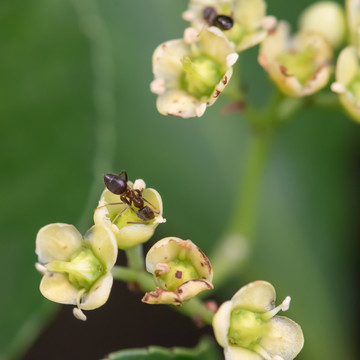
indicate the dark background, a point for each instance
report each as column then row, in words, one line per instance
column 62, row 96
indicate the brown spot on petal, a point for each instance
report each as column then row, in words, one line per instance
column 175, row 101
column 205, row 259
column 217, row 93
column 224, row 80
column 283, row 70
column 164, row 46
column 178, row 274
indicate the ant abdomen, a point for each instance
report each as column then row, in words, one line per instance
column 145, row 213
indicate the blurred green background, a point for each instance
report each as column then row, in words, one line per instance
column 62, row 96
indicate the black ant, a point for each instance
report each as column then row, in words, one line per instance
column 223, row 22
column 117, row 184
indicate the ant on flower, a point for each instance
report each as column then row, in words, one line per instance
column 117, row 184
column 223, row 22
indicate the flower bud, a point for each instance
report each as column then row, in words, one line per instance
column 299, row 66
column 247, row 326
column 76, row 270
column 181, row 270
column 124, row 221
column 326, row 17
column 348, row 81
column 191, row 73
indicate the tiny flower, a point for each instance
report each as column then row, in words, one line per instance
column 353, row 19
column 247, row 326
column 249, row 23
column 299, row 66
column 326, row 17
column 76, row 270
column 123, row 219
column 190, row 73
column 181, row 270
column 347, row 83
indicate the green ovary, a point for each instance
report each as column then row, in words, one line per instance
column 83, row 269
column 301, row 64
column 354, row 86
column 180, row 272
column 246, row 328
column 201, row 75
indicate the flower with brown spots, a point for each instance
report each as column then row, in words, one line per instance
column 190, row 73
column 181, row 270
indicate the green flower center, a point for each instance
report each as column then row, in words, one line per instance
column 354, row 86
column 246, row 328
column 180, row 272
column 201, row 75
column 83, row 269
column 301, row 64
column 236, row 33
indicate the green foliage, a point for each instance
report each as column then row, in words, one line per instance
column 47, row 145
column 206, row 350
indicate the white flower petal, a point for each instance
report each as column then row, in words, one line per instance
column 284, row 338
column 167, row 60
column 57, row 242
column 177, row 102
column 221, row 323
column 103, row 244
column 56, row 287
column 258, row 296
column 98, row 294
column 347, row 65
column 238, row 353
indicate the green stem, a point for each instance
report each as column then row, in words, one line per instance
column 192, row 308
column 135, row 257
column 244, row 216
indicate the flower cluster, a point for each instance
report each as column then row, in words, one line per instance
column 77, row 270
column 190, row 73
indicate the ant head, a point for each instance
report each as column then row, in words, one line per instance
column 209, row 14
column 115, row 183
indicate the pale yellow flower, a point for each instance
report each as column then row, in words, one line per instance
column 248, row 328
column 122, row 220
column 181, row 270
column 190, row 73
column 299, row 66
column 76, row 270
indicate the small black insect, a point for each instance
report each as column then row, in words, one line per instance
column 223, row 22
column 117, row 184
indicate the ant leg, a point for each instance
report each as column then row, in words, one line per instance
column 153, row 207
column 115, row 203
column 119, row 213
column 125, row 174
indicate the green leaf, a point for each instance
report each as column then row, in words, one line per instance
column 206, row 350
